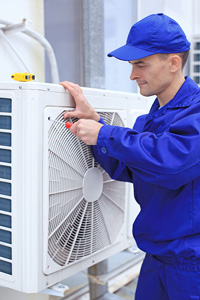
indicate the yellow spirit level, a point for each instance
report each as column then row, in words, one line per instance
column 23, row 77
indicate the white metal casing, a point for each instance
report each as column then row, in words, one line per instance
column 29, row 186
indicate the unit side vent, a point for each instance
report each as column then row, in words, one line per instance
column 86, row 207
column 5, row 186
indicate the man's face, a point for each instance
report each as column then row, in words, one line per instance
column 152, row 75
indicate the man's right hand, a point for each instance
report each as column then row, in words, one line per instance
column 83, row 109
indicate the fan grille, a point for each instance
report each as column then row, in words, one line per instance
column 77, row 227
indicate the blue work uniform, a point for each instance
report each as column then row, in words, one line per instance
column 161, row 157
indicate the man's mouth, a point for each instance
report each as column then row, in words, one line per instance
column 141, row 83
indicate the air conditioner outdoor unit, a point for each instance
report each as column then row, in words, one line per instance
column 60, row 212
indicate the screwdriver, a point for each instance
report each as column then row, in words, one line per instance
column 67, row 124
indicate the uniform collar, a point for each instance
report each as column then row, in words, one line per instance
column 183, row 98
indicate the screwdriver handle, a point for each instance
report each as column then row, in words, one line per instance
column 68, row 124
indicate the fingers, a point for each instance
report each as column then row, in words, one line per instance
column 76, row 129
column 70, row 114
column 78, row 96
column 73, row 128
column 83, row 109
column 86, row 130
column 73, row 88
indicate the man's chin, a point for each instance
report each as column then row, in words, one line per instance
column 145, row 93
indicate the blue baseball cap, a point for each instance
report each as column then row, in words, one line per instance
column 156, row 33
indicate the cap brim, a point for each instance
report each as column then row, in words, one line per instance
column 129, row 53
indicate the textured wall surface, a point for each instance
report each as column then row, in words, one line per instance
column 29, row 49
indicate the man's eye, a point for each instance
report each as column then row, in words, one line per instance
column 141, row 66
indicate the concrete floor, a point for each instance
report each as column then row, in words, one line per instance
column 128, row 291
column 121, row 286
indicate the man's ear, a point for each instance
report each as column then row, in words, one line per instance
column 175, row 62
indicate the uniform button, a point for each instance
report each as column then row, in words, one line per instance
column 103, row 150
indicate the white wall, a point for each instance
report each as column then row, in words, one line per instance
column 180, row 10
column 30, row 50
column 118, row 20
column 195, row 17
column 185, row 12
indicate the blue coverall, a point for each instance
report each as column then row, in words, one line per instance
column 161, row 157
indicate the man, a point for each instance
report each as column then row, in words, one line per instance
column 160, row 156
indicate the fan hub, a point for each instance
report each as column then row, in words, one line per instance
column 92, row 184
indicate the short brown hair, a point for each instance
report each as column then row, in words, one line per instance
column 182, row 55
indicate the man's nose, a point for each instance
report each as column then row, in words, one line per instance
column 134, row 75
